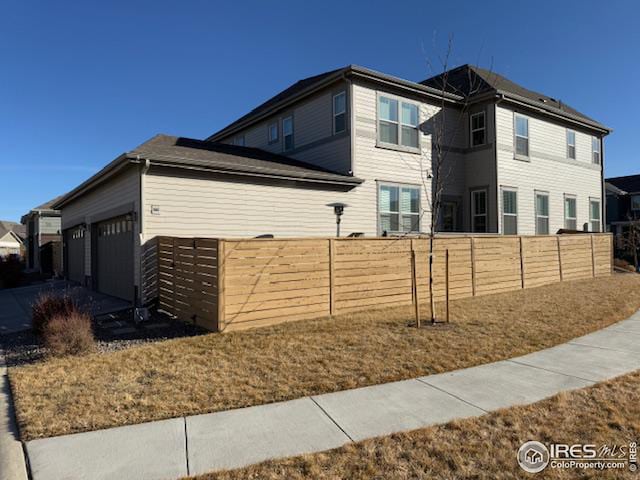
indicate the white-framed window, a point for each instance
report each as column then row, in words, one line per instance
column 398, row 122
column 479, row 210
column 542, row 213
column 478, row 129
column 509, row 211
column 596, row 156
column 339, row 112
column 398, row 208
column 635, row 203
column 521, row 135
column 571, row 144
column 594, row 215
column 273, row 132
column 287, row 133
column 570, row 212
column 239, row 140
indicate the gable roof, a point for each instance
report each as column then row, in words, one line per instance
column 629, row 183
column 462, row 82
column 6, row 226
column 470, row 81
column 189, row 153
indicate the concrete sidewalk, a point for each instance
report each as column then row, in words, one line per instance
column 224, row 440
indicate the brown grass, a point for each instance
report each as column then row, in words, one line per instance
column 478, row 448
column 219, row 372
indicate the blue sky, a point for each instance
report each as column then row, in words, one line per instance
column 82, row 82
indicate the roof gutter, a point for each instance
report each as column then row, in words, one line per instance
column 111, row 169
column 349, row 181
column 518, row 100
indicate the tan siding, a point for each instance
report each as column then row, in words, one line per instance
column 548, row 170
column 117, row 191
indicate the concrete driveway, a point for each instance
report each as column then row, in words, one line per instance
column 15, row 303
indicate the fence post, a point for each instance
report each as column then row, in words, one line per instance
column 332, row 306
column 559, row 257
column 414, row 285
column 473, row 267
column 221, row 291
column 521, row 264
column 593, row 258
column 446, row 280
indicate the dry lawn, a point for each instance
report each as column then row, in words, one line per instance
column 224, row 371
column 479, row 448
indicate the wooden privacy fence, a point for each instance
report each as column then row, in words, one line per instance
column 227, row 285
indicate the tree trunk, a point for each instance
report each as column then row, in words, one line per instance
column 431, row 296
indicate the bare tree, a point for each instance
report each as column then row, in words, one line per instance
column 631, row 240
column 445, row 129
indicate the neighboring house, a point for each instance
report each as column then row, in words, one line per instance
column 11, row 238
column 623, row 205
column 520, row 162
column 43, row 226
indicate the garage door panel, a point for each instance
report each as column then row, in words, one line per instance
column 75, row 252
column 114, row 261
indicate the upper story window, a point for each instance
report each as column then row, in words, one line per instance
column 398, row 122
column 287, row 133
column 595, row 150
column 339, row 112
column 594, row 214
column 239, row 140
column 522, row 135
column 478, row 129
column 398, row 208
column 635, row 203
column 273, row 132
column 570, row 217
column 509, row 211
column 479, row 211
column 542, row 213
column 571, row 144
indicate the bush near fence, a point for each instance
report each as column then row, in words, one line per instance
column 227, row 284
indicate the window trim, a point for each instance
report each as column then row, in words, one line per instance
column 400, row 186
column 542, row 193
column 564, row 208
column 399, row 124
column 472, row 209
column 591, row 220
column 569, row 145
column 270, row 140
column 335, row 114
column 596, row 141
column 517, row 155
column 514, row 190
column 472, row 130
column 284, row 135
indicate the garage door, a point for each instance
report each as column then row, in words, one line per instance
column 114, row 263
column 74, row 254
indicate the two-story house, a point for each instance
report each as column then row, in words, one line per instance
column 43, row 229
column 515, row 162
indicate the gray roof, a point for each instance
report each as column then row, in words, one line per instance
column 7, row 226
column 628, row 183
column 462, row 82
column 188, row 152
column 469, row 81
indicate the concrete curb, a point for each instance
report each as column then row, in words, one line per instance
column 236, row 438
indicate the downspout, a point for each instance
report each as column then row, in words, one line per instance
column 495, row 157
column 603, row 195
column 352, row 126
column 141, row 212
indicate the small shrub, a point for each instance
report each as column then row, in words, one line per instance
column 69, row 334
column 49, row 305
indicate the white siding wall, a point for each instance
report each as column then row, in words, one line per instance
column 194, row 204
column 313, row 137
column 117, row 191
column 548, row 170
